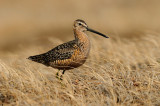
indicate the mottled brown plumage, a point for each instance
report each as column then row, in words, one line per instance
column 71, row 54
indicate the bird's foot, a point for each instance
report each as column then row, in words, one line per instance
column 57, row 75
column 61, row 77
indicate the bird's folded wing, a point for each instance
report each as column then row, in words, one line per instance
column 61, row 52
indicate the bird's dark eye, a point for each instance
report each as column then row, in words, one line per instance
column 79, row 24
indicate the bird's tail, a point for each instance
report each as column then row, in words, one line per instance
column 38, row 58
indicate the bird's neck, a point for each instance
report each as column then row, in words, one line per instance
column 83, row 42
column 81, row 36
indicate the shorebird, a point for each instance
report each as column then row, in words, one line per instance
column 71, row 54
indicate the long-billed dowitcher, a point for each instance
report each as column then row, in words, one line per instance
column 71, row 54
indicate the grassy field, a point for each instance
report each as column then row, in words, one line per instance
column 121, row 70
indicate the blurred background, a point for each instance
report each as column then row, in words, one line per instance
column 36, row 26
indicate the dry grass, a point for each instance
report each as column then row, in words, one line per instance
column 122, row 70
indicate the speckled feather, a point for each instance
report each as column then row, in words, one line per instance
column 61, row 52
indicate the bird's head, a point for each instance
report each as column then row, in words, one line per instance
column 81, row 25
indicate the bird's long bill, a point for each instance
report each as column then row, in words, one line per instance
column 91, row 30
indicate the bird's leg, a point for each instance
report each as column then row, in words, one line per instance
column 62, row 75
column 57, row 74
